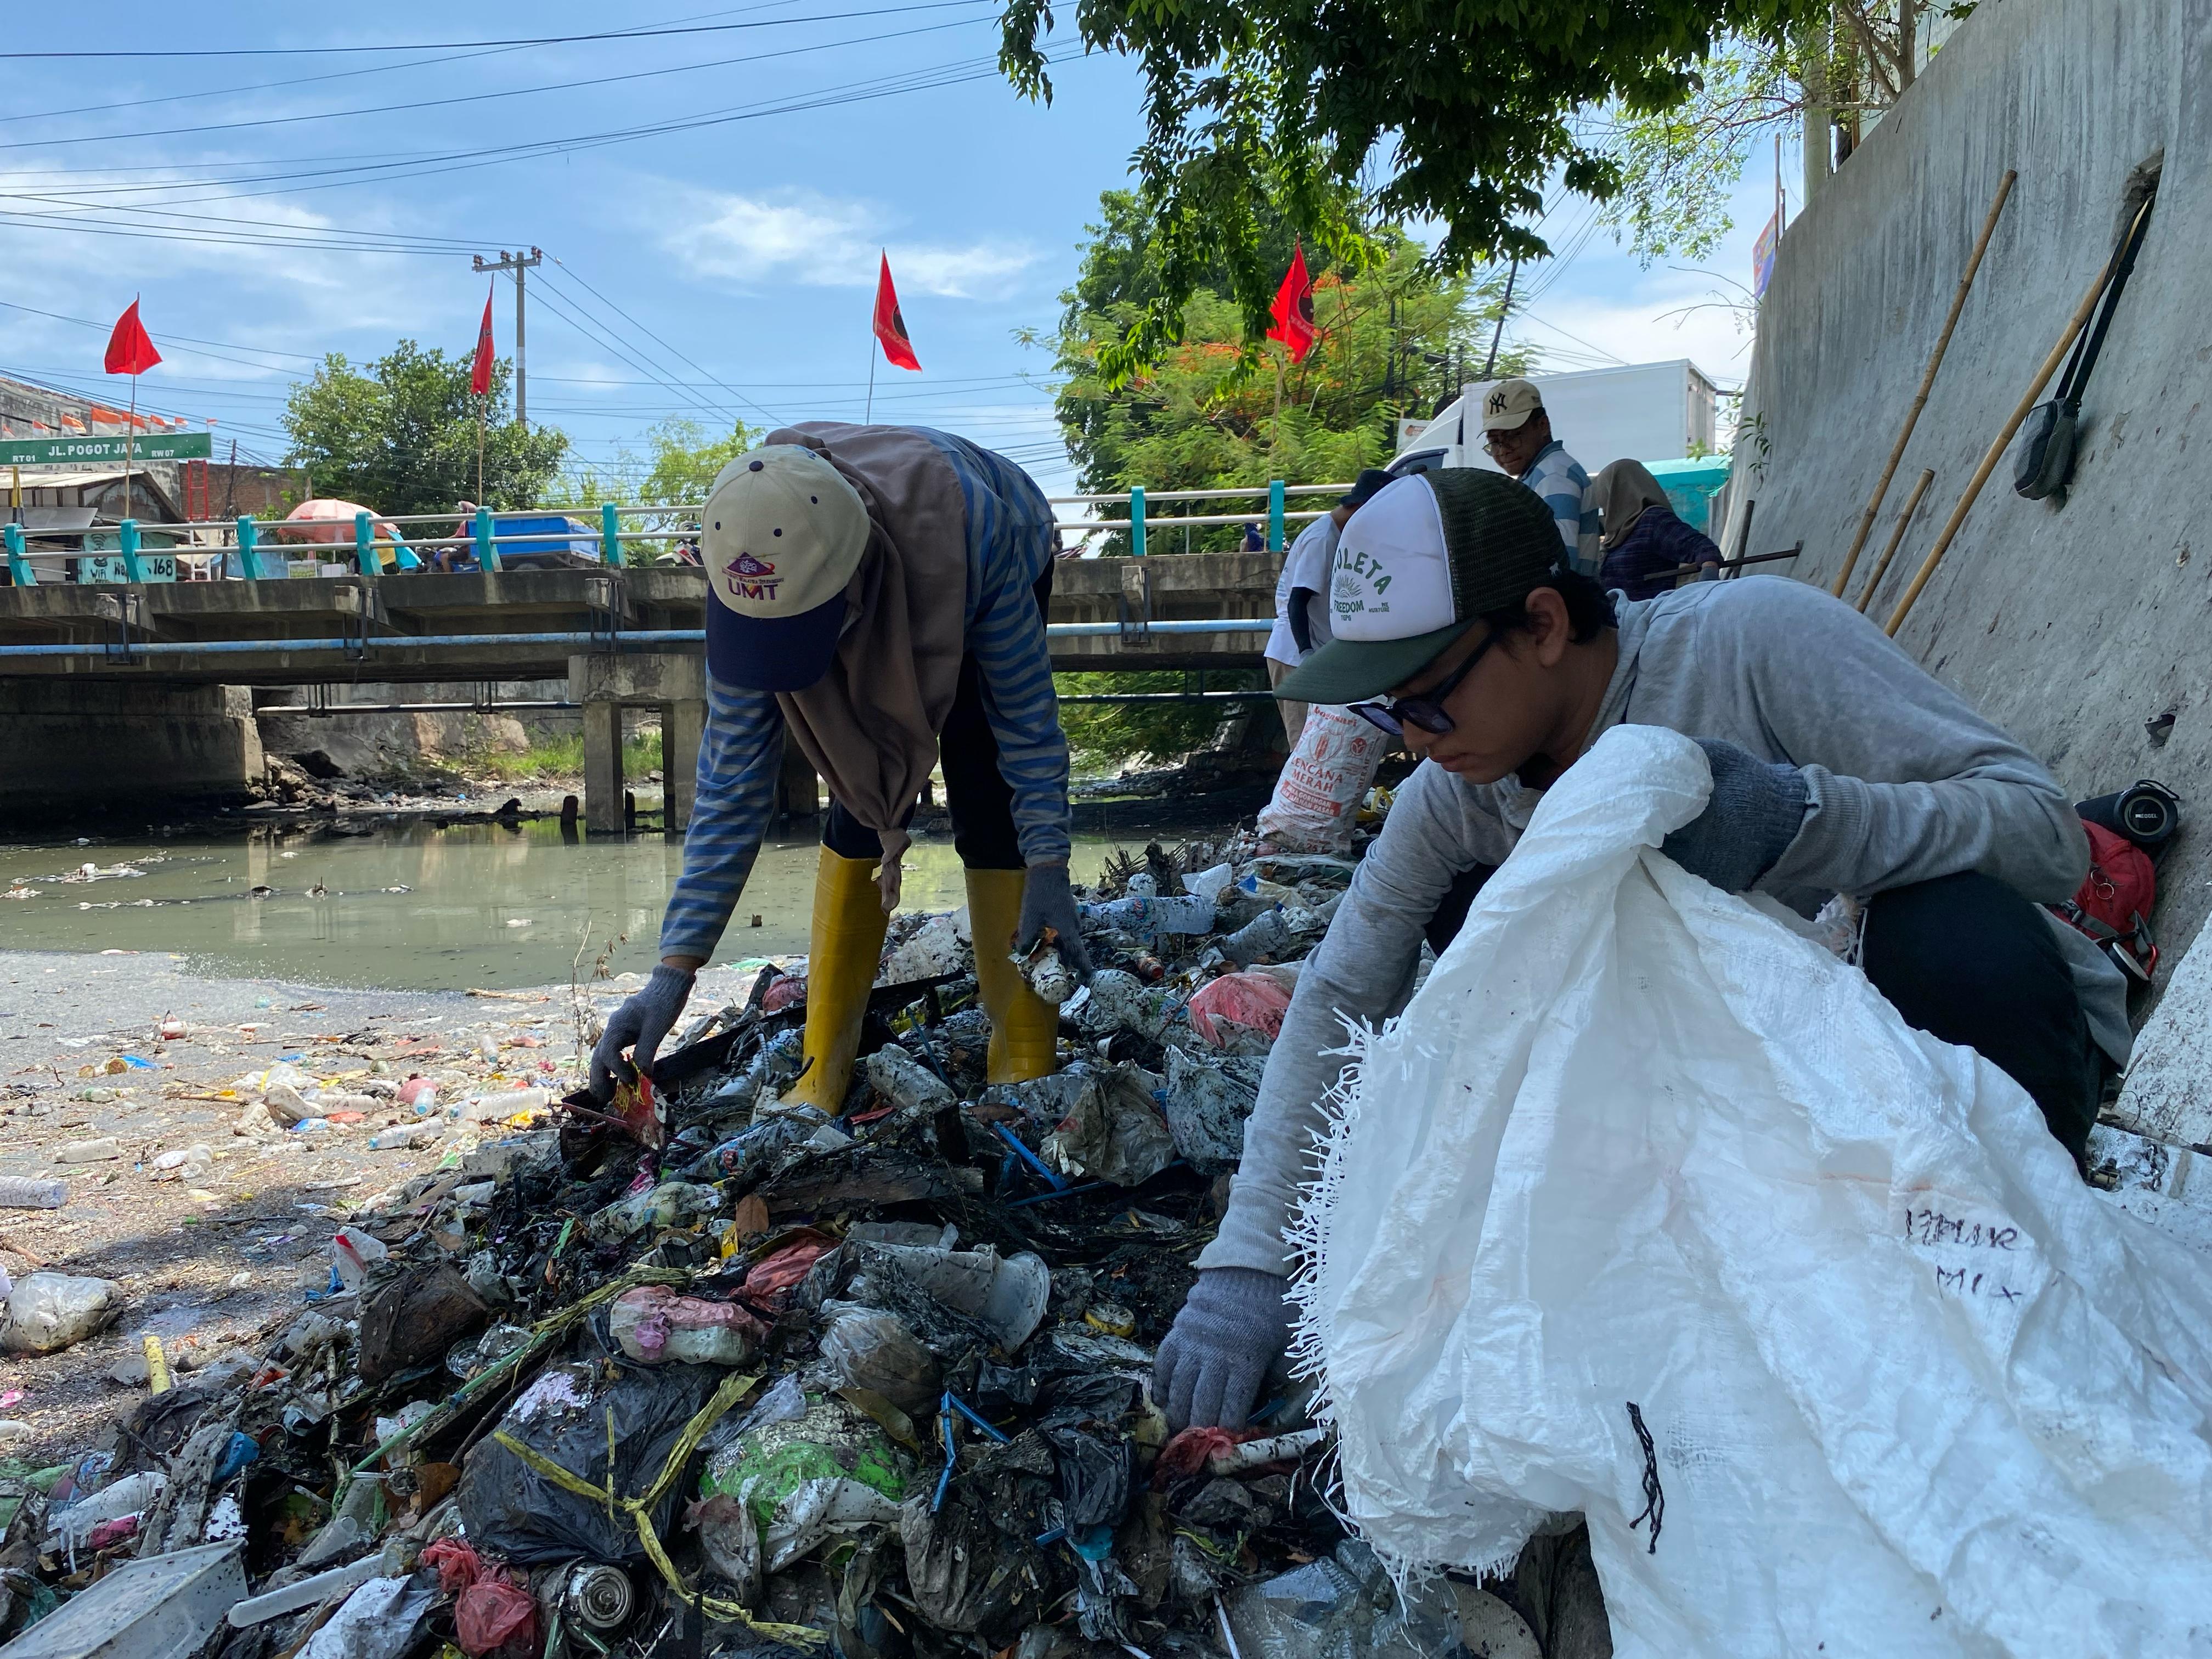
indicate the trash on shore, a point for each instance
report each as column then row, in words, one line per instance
column 875, row 1384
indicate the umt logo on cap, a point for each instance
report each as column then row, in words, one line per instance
column 749, row 578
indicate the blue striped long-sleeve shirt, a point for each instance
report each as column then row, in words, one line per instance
column 1010, row 543
column 1559, row 478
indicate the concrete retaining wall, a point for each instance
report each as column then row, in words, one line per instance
column 2071, row 625
column 70, row 747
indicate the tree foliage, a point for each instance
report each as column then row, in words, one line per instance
column 1394, row 338
column 1463, row 109
column 678, row 469
column 400, row 436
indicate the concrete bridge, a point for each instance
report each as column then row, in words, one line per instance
column 127, row 691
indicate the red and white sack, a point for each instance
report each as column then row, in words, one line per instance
column 1316, row 800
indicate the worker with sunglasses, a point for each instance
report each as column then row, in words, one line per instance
column 1838, row 766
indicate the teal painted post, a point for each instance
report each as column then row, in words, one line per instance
column 610, row 535
column 364, row 545
column 487, row 554
column 19, row 568
column 249, row 541
column 126, row 534
column 1137, row 521
column 1275, row 515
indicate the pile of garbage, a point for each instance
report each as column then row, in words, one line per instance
column 703, row 1370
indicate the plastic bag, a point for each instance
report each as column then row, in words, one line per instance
column 49, row 1311
column 873, row 1349
column 1650, row 1207
column 1316, row 800
column 1255, row 1001
column 578, row 1415
column 490, row 1611
column 652, row 1324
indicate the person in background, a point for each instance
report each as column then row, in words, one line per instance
column 876, row 595
column 459, row 556
column 1518, row 432
column 1254, row 541
column 1302, row 594
column 1644, row 544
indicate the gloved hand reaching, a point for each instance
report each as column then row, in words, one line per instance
column 1233, row 1328
column 1748, row 823
column 1046, row 902
column 639, row 1025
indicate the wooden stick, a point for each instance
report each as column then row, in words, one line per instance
column 1896, row 536
column 1927, row 382
column 2074, row 326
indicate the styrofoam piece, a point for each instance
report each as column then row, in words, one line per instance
column 151, row 1609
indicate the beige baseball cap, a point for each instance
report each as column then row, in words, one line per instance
column 1508, row 405
column 781, row 536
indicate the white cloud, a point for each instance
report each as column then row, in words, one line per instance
column 825, row 242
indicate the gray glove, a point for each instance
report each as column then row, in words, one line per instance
column 1753, row 815
column 1046, row 902
column 1230, row 1331
column 639, row 1025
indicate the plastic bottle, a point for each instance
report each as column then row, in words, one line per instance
column 26, row 1193
column 1153, row 915
column 353, row 1251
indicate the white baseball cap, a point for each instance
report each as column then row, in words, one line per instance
column 781, row 536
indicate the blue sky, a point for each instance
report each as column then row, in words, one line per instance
column 719, row 267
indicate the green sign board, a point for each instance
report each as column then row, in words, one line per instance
column 146, row 447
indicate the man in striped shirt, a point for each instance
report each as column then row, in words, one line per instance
column 878, row 596
column 1518, row 432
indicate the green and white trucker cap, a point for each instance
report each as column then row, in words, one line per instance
column 1415, row 567
column 783, row 534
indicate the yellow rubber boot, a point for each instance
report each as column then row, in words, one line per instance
column 1024, row 1025
column 842, row 952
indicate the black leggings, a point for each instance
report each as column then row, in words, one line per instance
column 977, row 795
column 1966, row 959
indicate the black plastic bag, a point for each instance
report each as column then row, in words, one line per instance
column 576, row 1415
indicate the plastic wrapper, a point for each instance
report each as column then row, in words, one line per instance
column 1113, row 1130
column 766, row 1461
column 1208, row 1100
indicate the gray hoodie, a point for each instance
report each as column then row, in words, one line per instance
column 1906, row 783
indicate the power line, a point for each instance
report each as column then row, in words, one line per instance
column 431, row 46
column 597, row 81
column 572, row 277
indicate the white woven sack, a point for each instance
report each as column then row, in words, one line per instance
column 1911, row 1389
column 1315, row 804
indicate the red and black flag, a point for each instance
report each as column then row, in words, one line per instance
column 890, row 326
column 1293, row 310
column 480, row 371
column 129, row 351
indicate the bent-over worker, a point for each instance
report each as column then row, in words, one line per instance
column 1302, row 593
column 1839, row 765
column 1647, row 547
column 878, row 595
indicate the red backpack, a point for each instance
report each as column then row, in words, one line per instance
column 2113, row 903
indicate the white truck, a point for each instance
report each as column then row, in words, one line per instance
column 1644, row 412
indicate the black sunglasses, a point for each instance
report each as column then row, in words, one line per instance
column 1427, row 710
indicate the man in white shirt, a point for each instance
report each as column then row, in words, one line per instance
column 1302, row 594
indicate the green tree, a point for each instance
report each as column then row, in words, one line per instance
column 1455, row 112
column 676, row 470
column 1395, row 339
column 400, row 435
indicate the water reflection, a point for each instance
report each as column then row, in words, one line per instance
column 409, row 905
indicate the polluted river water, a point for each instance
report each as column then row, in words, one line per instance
column 410, row 905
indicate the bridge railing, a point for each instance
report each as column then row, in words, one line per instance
column 250, row 548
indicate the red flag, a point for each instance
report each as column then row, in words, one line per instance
column 1293, row 310
column 480, row 375
column 129, row 350
column 890, row 326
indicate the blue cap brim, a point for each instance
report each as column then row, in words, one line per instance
column 787, row 654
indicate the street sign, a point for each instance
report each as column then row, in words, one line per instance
column 146, row 446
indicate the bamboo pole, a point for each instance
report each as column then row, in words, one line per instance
column 1896, row 536
column 2074, row 326
column 1927, row 382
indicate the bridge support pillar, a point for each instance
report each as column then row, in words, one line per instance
column 605, row 684
column 99, row 744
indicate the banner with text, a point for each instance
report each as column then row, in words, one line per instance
column 146, row 446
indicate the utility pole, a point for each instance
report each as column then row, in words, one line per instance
column 517, row 263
